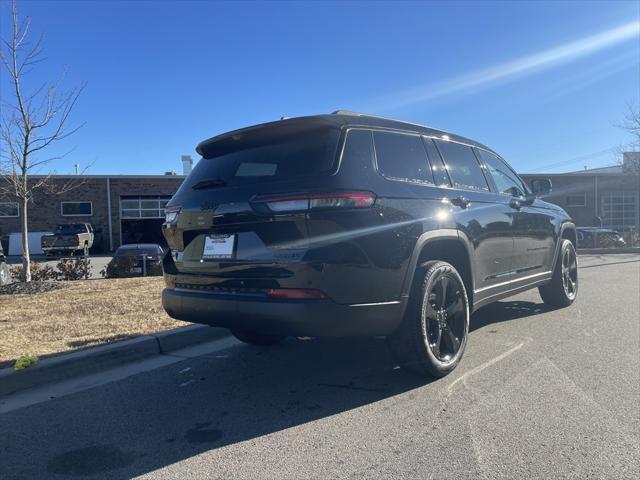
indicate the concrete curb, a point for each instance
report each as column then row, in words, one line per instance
column 602, row 251
column 92, row 360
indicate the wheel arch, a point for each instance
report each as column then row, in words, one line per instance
column 448, row 245
column 567, row 232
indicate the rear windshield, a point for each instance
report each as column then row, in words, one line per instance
column 137, row 251
column 271, row 153
column 71, row 229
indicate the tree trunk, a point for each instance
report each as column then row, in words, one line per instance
column 26, row 258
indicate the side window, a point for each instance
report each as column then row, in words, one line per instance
column 462, row 165
column 402, row 157
column 440, row 176
column 506, row 181
column 357, row 157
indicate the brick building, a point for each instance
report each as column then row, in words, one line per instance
column 130, row 208
column 607, row 197
column 122, row 208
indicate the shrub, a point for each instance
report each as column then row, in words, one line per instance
column 25, row 361
column 39, row 272
column 73, row 268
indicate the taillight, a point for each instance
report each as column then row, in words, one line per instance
column 303, row 202
column 171, row 214
column 296, row 293
column 78, row 239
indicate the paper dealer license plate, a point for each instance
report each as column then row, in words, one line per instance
column 218, row 247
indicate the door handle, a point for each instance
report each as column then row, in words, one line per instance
column 460, row 201
column 515, row 204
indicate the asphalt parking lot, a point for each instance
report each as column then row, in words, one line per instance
column 539, row 394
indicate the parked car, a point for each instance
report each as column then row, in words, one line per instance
column 68, row 239
column 597, row 237
column 135, row 260
column 349, row 224
column 4, row 268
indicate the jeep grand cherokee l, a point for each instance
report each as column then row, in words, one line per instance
column 349, row 224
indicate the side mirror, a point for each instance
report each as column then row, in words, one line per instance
column 541, row 187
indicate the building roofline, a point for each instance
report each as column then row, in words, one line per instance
column 573, row 174
column 115, row 176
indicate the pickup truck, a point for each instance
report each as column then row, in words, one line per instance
column 68, row 239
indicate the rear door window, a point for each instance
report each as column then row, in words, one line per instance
column 270, row 153
column 462, row 165
column 402, row 157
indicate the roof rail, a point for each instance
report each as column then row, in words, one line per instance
column 349, row 112
column 359, row 114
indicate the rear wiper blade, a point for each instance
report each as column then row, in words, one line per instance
column 208, row 183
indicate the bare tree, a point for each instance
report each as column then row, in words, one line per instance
column 34, row 120
column 631, row 124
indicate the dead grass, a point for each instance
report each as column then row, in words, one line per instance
column 86, row 314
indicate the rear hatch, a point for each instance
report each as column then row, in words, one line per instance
column 241, row 213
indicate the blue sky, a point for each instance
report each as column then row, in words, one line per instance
column 544, row 84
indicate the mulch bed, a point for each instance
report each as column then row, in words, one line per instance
column 29, row 288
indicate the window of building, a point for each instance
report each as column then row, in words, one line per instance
column 619, row 210
column 576, row 200
column 76, row 209
column 143, row 206
column 462, row 165
column 505, row 179
column 402, row 157
column 9, row 209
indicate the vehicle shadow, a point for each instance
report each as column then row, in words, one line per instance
column 155, row 419
column 505, row 311
column 158, row 418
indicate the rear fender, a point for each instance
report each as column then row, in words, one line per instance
column 422, row 242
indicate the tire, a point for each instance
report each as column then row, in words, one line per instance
column 562, row 290
column 4, row 274
column 257, row 339
column 433, row 335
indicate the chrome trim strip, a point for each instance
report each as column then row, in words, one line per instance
column 507, row 293
column 512, row 281
column 394, row 302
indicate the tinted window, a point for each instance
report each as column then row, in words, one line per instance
column 437, row 166
column 402, row 156
column 277, row 152
column 9, row 209
column 506, row 181
column 76, row 208
column 71, row 229
column 462, row 165
column 357, row 158
column 138, row 250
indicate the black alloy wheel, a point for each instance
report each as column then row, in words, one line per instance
column 445, row 318
column 562, row 290
column 433, row 335
column 570, row 273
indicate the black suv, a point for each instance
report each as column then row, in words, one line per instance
column 350, row 224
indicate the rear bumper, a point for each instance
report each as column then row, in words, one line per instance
column 314, row 318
